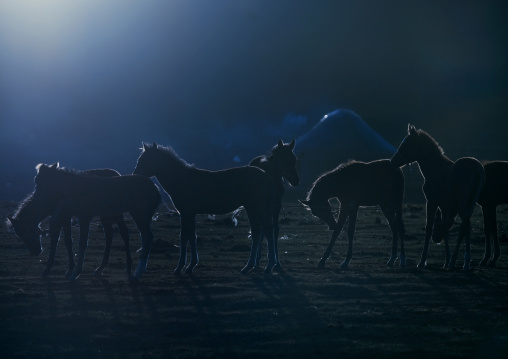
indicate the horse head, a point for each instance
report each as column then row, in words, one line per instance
column 322, row 210
column 285, row 161
column 406, row 153
column 145, row 165
column 30, row 235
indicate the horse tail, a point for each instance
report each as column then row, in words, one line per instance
column 474, row 189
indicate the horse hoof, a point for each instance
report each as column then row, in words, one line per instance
column 390, row 263
column 321, row 264
column 98, row 272
column 402, row 265
column 177, row 271
column 268, row 270
column 491, row 264
column 344, row 266
column 422, row 265
column 189, row 270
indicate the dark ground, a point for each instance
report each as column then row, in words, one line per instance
column 300, row 312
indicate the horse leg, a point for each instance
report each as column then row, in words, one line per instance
column 431, row 211
column 84, row 224
column 497, row 248
column 489, row 225
column 467, row 253
column 402, row 235
column 68, row 245
column 392, row 218
column 143, row 224
column 276, row 231
column 271, row 245
column 353, row 214
column 184, row 238
column 107, row 227
column 447, row 223
column 336, row 232
column 193, row 245
column 54, row 231
column 255, row 230
column 124, row 232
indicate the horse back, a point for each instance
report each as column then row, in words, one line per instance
column 372, row 183
column 103, row 196
column 495, row 191
column 223, row 191
column 465, row 181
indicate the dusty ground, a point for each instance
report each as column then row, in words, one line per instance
column 301, row 312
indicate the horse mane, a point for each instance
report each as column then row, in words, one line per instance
column 169, row 153
column 432, row 143
column 330, row 174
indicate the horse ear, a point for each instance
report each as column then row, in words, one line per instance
column 280, row 143
column 411, row 130
column 54, row 165
column 145, row 147
column 154, row 146
column 10, row 219
column 292, row 144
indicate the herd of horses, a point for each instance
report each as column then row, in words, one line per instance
column 451, row 188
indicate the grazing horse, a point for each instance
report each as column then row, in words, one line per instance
column 357, row 184
column 88, row 196
column 34, row 209
column 494, row 194
column 453, row 187
column 197, row 191
column 280, row 165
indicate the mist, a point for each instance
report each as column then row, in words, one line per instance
column 86, row 82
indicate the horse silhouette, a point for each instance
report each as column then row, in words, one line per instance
column 494, row 194
column 33, row 209
column 198, row 191
column 453, row 187
column 89, row 196
column 357, row 184
column 280, row 165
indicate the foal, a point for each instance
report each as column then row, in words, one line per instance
column 34, row 209
column 197, row 191
column 89, row 196
column 357, row 184
column 280, row 165
column 454, row 187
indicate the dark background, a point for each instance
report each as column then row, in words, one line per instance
column 85, row 82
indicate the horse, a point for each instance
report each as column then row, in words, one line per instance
column 356, row 184
column 453, row 187
column 89, row 196
column 198, row 191
column 280, row 165
column 33, row 209
column 494, row 194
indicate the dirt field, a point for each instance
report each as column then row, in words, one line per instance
column 300, row 312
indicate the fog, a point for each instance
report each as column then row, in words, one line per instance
column 86, row 82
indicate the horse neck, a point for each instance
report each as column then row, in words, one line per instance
column 323, row 190
column 31, row 213
column 172, row 174
column 272, row 169
column 434, row 166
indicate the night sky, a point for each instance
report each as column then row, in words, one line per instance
column 85, row 82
